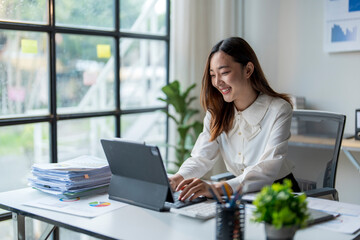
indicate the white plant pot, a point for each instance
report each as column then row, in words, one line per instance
column 284, row 233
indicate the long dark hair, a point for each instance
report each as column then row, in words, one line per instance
column 222, row 113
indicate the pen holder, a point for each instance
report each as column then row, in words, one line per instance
column 230, row 221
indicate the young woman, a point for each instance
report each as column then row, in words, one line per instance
column 247, row 123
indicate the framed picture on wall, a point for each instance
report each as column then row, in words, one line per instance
column 342, row 25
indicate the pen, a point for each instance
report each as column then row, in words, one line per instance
column 238, row 195
column 227, row 190
column 215, row 193
column 226, row 194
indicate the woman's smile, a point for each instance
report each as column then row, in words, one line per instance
column 225, row 90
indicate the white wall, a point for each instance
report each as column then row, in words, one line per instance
column 287, row 36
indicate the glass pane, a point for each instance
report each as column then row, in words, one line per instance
column 143, row 16
column 34, row 11
column 142, row 72
column 24, row 73
column 82, row 137
column 85, row 73
column 6, row 230
column 20, row 147
column 145, row 127
column 90, row 14
column 68, row 234
column 33, row 229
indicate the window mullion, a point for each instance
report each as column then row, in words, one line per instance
column 117, row 69
column 52, row 85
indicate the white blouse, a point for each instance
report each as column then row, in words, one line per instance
column 254, row 150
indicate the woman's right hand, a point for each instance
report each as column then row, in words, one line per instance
column 175, row 180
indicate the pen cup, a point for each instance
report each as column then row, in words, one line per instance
column 230, row 221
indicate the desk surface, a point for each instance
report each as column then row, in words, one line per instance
column 133, row 222
column 351, row 143
column 348, row 143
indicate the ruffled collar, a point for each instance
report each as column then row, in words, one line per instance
column 249, row 120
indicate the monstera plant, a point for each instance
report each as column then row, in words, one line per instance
column 187, row 129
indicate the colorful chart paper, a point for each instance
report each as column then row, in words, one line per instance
column 89, row 206
column 69, row 200
column 99, row 204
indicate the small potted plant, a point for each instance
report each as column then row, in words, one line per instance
column 281, row 211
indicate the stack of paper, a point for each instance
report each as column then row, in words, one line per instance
column 73, row 178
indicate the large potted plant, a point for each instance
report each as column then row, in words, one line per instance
column 187, row 129
column 281, row 211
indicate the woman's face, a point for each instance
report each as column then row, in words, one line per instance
column 231, row 78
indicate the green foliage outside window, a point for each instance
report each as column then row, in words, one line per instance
column 188, row 130
column 16, row 141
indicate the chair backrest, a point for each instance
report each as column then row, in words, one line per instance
column 314, row 147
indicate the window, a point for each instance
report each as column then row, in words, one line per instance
column 73, row 72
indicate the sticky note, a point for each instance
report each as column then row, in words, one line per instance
column 103, row 51
column 29, row 46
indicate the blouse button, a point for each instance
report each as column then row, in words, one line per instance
column 239, row 153
column 239, row 133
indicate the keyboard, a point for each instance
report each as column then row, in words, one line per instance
column 180, row 204
column 202, row 210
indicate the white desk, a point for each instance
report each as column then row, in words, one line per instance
column 349, row 145
column 132, row 222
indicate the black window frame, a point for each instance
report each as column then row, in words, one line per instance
column 53, row 117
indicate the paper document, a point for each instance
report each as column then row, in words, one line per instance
column 347, row 222
column 90, row 206
column 79, row 163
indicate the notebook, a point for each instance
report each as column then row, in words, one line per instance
column 139, row 176
column 317, row 216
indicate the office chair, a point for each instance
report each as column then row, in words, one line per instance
column 314, row 148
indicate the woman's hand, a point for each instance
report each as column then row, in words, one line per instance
column 224, row 185
column 175, row 180
column 193, row 188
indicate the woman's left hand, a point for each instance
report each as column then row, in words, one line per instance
column 193, row 188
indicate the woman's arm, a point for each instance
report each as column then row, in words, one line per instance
column 203, row 158
column 203, row 155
